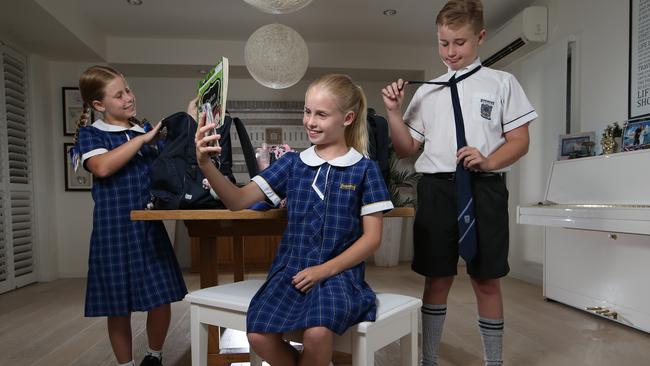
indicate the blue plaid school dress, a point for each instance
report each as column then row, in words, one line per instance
column 325, row 202
column 132, row 265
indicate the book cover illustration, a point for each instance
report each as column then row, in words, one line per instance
column 213, row 93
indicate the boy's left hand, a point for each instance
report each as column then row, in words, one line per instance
column 472, row 159
column 309, row 277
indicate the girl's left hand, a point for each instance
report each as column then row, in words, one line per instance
column 473, row 159
column 309, row 277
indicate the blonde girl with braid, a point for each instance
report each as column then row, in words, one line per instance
column 131, row 265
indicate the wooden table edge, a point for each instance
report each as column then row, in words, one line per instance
column 145, row 215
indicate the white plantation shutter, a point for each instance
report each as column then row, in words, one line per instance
column 3, row 244
column 16, row 194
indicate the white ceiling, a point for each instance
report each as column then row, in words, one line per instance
column 29, row 23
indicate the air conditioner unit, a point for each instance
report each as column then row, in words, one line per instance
column 520, row 35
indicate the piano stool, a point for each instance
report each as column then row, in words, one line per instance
column 226, row 306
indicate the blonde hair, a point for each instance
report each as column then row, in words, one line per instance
column 457, row 13
column 92, row 83
column 349, row 97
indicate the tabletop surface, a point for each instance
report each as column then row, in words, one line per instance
column 279, row 213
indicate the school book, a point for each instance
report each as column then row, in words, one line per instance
column 213, row 92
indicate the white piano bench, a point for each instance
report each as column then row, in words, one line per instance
column 226, row 306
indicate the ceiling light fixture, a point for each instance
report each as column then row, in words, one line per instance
column 276, row 56
column 389, row 12
column 134, row 2
column 278, row 6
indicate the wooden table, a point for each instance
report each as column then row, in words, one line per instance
column 207, row 225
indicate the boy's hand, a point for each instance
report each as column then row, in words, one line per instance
column 204, row 143
column 393, row 95
column 310, row 277
column 472, row 159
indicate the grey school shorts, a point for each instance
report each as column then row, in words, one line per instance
column 435, row 232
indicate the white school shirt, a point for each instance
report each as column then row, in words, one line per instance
column 492, row 102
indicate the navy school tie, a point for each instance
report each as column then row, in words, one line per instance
column 463, row 179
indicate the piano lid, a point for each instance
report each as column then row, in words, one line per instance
column 616, row 179
column 605, row 193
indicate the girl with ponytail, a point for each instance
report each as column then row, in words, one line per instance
column 335, row 201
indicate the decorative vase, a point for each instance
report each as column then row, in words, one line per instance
column 387, row 255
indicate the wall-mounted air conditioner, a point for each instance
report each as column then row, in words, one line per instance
column 520, row 35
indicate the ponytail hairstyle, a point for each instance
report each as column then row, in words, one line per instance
column 92, row 83
column 349, row 97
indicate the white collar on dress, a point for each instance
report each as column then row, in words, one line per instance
column 310, row 158
column 101, row 125
column 460, row 72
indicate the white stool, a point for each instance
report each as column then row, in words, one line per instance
column 226, row 306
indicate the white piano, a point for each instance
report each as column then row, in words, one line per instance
column 596, row 214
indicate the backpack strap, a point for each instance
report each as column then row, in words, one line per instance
column 247, row 148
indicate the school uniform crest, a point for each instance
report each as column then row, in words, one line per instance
column 486, row 108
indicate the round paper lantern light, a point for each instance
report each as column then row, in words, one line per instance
column 276, row 56
column 278, row 6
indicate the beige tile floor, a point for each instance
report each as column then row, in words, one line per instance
column 43, row 324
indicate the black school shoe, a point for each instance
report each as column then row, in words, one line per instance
column 150, row 360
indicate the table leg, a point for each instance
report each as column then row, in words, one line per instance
column 209, row 267
column 238, row 257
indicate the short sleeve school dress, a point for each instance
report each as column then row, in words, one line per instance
column 325, row 202
column 131, row 265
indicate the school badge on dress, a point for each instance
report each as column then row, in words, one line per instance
column 486, row 108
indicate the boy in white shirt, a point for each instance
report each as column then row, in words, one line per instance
column 473, row 122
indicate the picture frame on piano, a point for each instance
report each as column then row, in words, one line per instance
column 636, row 134
column 576, row 145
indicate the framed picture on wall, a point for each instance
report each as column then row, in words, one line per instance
column 577, row 145
column 72, row 109
column 636, row 135
column 639, row 64
column 81, row 180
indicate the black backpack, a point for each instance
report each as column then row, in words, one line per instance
column 379, row 142
column 176, row 180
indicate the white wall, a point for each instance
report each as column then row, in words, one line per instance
column 600, row 28
column 43, row 169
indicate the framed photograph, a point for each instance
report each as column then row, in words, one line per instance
column 72, row 109
column 81, row 180
column 639, row 62
column 636, row 135
column 273, row 135
column 577, row 145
